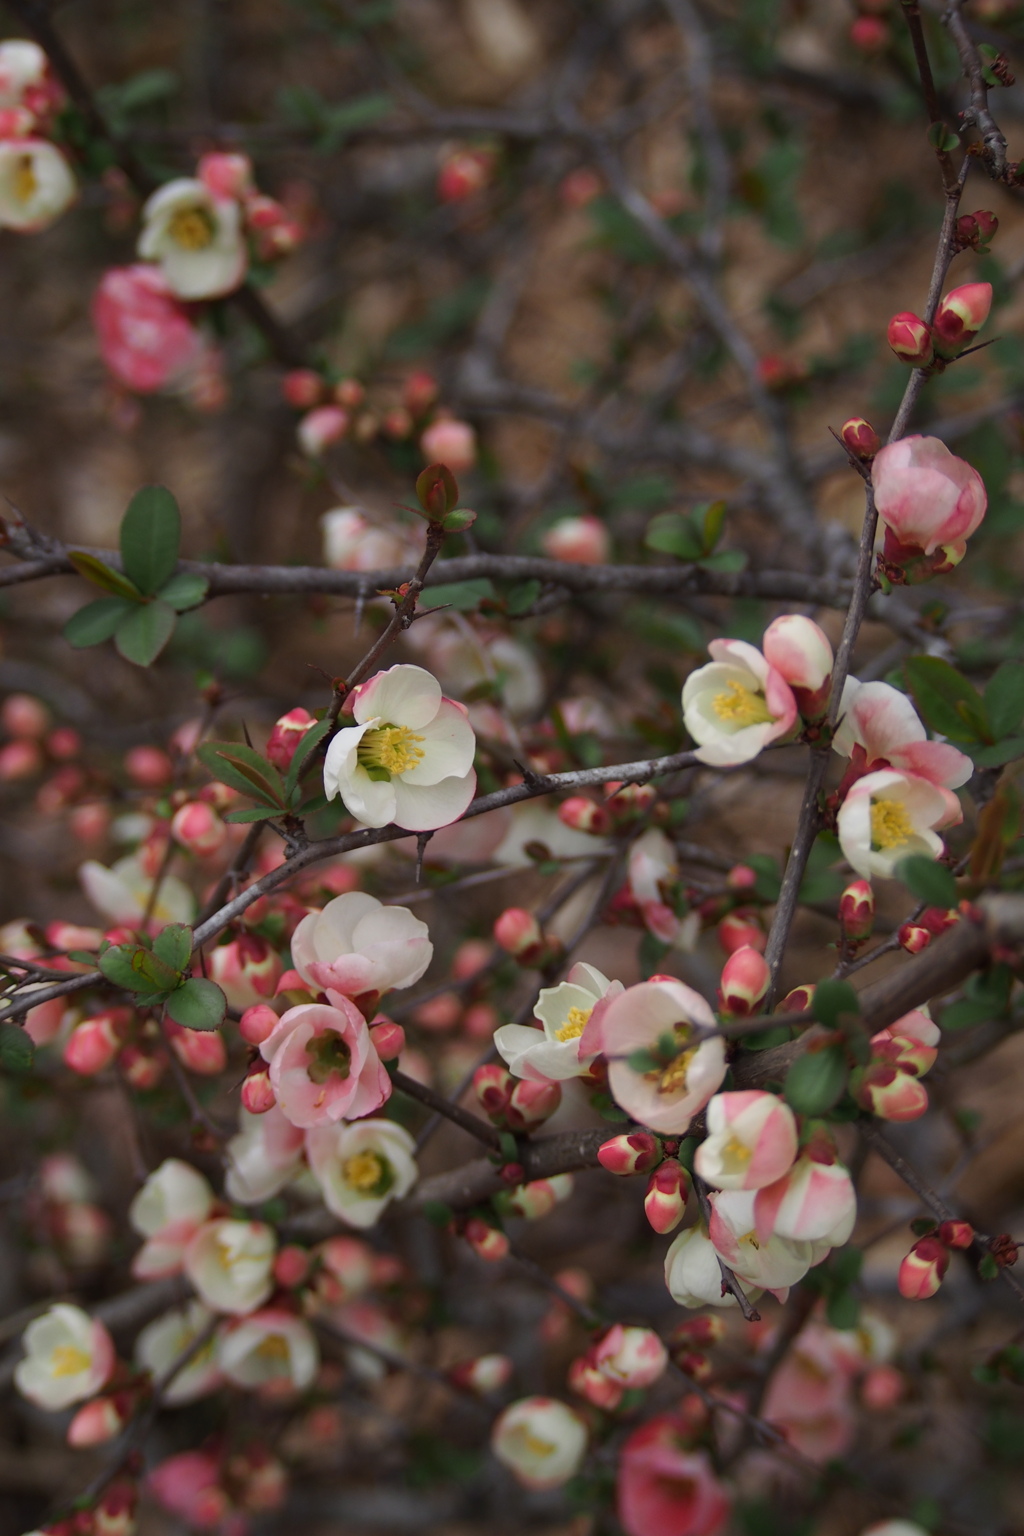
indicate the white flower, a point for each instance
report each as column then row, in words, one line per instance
column 773, row 1263
column 22, row 65
column 196, row 237
column 36, row 184
column 68, row 1357
column 230, row 1264
column 409, row 757
column 165, row 1340
column 272, row 1345
column 351, row 543
column 736, row 705
column 693, row 1274
column 264, row 1157
column 121, row 893
column 888, row 816
column 652, row 1015
column 564, row 1011
column 361, row 1166
column 540, row 1440
column 356, row 945
column 174, row 1192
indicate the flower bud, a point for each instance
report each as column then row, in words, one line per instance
column 464, row 173
column 397, row 424
column 321, row 429
column 63, row 743
column 349, row 393
column 113, row 1514
column 585, row 1379
column 303, row 388
column 226, row 175
column 148, row 767
column 141, row 1069
column 882, row 1388
column 292, row 1266
column 257, row 1023
column 531, row 1201
column 98, row 1421
column 740, row 929
column 583, row 540
column 800, row 652
column 955, row 1234
column 449, row 442
column 913, row 938
column 698, row 1332
column 532, row 1103
column 665, row 1200
column 870, row 34
column 911, row 339
column 922, row 1271
column 745, row 982
column 860, row 438
column 388, row 1039
column 89, row 822
column 350, row 1261
column 627, row 802
column 636, row 1152
column 93, row 1044
column 20, row 759
column 246, row 969
column 961, row 315
column 584, row 815
column 518, row 933
column 199, row 1051
column 741, row 878
column 485, row 1374
column 257, row 1095
column 419, row 392
column 631, row 1357
column 857, row 910
column 286, row 735
column 493, row 1087
column 197, row 827
column 23, row 715
column 888, row 1092
column 976, row 230
column 488, row 1242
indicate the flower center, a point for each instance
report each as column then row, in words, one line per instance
column 532, row 1444
column 68, row 1360
column 273, row 1347
column 329, row 1056
column 191, row 228
column 672, row 1076
column 575, row 1024
column 891, row 827
column 26, row 184
column 368, row 1173
column 387, row 750
column 737, row 705
column 736, row 1154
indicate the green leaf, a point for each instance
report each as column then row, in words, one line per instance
column 1004, row 698
column 261, row 813
column 151, row 538
column 116, row 966
column 833, row 1000
column 724, row 560
column 942, row 138
column 456, row 521
column 173, row 945
column 947, row 700
column 151, row 973
column 244, row 769
column 711, row 525
column 102, row 576
column 929, row 881
column 463, row 596
column 96, row 621
column 437, row 1213
column 186, row 590
column 1003, row 752
column 17, row 1052
column 522, row 598
column 142, row 635
column 197, row 1004
column 307, row 745
column 816, row 1080
column 673, row 534
column 437, row 491
column 843, row 1309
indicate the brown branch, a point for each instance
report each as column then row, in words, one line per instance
column 912, row 12
column 978, row 116
column 449, row 1110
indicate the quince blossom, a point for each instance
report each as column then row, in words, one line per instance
column 323, row 1064
column 693, row 1274
column 646, row 1017
column 269, row 1346
column 352, row 543
column 540, row 1440
column 751, row 1141
column 23, row 69
column 167, row 1211
column 69, row 1356
column 162, row 1342
column 265, row 1155
column 736, row 705
column 36, row 185
column 814, row 1202
column 630, row 1357
column 361, row 1167
column 565, row 1011
column 121, row 893
column 665, row 1488
column 145, row 333
column 773, row 1264
column 357, row 945
column 927, row 498
column 230, row 1264
column 409, row 757
column 880, row 728
column 196, row 237
column 888, row 815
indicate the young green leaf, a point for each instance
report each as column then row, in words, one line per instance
column 724, row 560
column 244, row 769
column 257, row 813
column 437, row 491
column 711, row 524
column 522, row 598
column 947, row 700
column 116, row 965
column 185, row 590
column 308, row 743
column 150, row 538
column 101, row 575
column 197, row 1004
column 930, row 882
column 456, row 521
column 96, row 622
column 673, row 534
column 1004, row 698
column 153, row 974
column 833, row 1000
column 1006, row 751
column 17, row 1052
column 173, row 945
column 816, row 1081
column 142, row 634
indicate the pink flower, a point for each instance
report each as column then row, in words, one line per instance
column 736, row 705
column 540, row 1440
column 247, row 970
column 323, row 1066
column 751, row 1141
column 665, row 1489
column 887, row 816
column 880, row 728
column 630, row 1357
column 68, row 1357
column 815, row 1201
column 808, row 1396
column 800, row 652
column 146, row 336
column 670, row 1091
column 357, row 945
column 321, row 428
column 264, row 1157
column 773, row 1264
column 925, row 495
column 449, row 442
column 189, row 1486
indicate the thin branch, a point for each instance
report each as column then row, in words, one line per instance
column 446, row 1108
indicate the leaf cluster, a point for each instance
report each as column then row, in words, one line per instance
column 159, row 972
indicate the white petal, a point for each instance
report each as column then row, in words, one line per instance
column 448, row 747
column 424, row 807
column 403, row 695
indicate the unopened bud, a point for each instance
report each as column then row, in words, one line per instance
column 292, row 1266
column 584, row 815
column 911, row 339
column 302, row 388
column 665, row 1200
column 532, row 1103
column 450, row 442
column 588, row 1381
column 888, row 1092
column 961, row 315
column 740, row 929
column 349, row 393
column 870, row 34
column 746, row 978
column 627, row 802
column 698, row 1332
column 199, row 1051
column 493, row 1087
column 23, row 715
column 922, row 1271
column 93, row 1044
column 140, row 1068
column 97, row 1422
column 285, row 737
column 487, row 1242
column 419, row 392
column 636, row 1152
column 955, row 1234
column 860, row 437
column 257, row 1023
column 349, row 1261
column 321, row 429
column 148, row 767
column 197, row 827
column 741, row 878
column 857, row 910
column 388, row 1039
column 257, row 1093
column 518, row 933
column 487, row 1373
column 913, row 938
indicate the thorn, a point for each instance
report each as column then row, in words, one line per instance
column 422, row 839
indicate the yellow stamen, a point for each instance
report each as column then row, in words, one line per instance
column 531, row 1442
column 388, row 750
column 891, row 826
column 674, row 1075
column 68, row 1360
column 736, row 1152
column 575, row 1024
column 363, row 1171
column 738, row 705
column 191, row 228
column 26, row 184
column 273, row 1347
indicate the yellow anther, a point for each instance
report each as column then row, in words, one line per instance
column 26, row 184
column 273, row 1347
column 363, row 1171
column 741, row 706
column 388, row 750
column 575, row 1024
column 69, row 1360
column 891, row 826
column 191, row 228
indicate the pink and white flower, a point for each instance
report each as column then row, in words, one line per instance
column 36, row 185
column 643, row 1018
column 693, row 1274
column 565, row 1012
column 323, row 1065
column 163, row 1341
column 23, row 69
column 409, row 757
column 581, row 539
column 146, row 335
column 69, row 1356
column 122, row 892
column 652, row 868
column 801, row 653
column 910, row 1043
column 751, row 1140
column 272, row 1345
column 540, row 1440
column 196, row 237
column 927, row 497
column 773, row 1264
column 736, row 705
column 264, row 1157
column 814, row 1202
column 361, row 1167
column 664, row 1487
column 630, row 1357
column 357, row 945
column 230, row 1264
column 888, row 816
column 353, row 543
column 880, row 728
column 167, row 1211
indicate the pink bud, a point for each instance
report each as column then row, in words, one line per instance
column 200, row 1051
column 88, row 823
column 488, row 1373
column 635, row 1152
column 19, row 759
column 518, row 933
column 532, row 1103
column 911, row 339
column 63, row 743
column 701, row 1332
column 114, row 1511
column 247, row 969
column 860, row 437
column 939, row 919
column 798, row 1000
column 397, row 424
column 226, row 175
column 741, row 878
column 471, row 956
column 140, row 1068
column 580, row 187
column 913, row 938
column 464, row 173
column 441, row 1012
column 257, row 1023
column 745, row 981
column 886, row 1091
column 976, row 229
column 589, row 1382
column 740, row 929
column 961, row 315
column 631, row 1357
column 882, row 1388
column 60, row 935
column 583, row 540
column 922, row 1271
column 493, row 1087
column 419, row 392
column 96, row 1422
column 870, row 34
column 800, row 652
column 286, row 735
column 449, row 442
column 303, row 388
column 584, row 815
column 23, row 715
column 321, row 428
column 488, row 1242
column 480, row 1020
column 533, row 1200
column 857, row 910
column 350, row 1261
column 292, row 1266
column 388, row 1039
column 665, row 1200
column 93, row 1044
column 955, row 1234
column 197, row 827
column 257, row 1094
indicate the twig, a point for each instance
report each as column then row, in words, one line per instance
column 730, row 1284
column 449, row 1110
